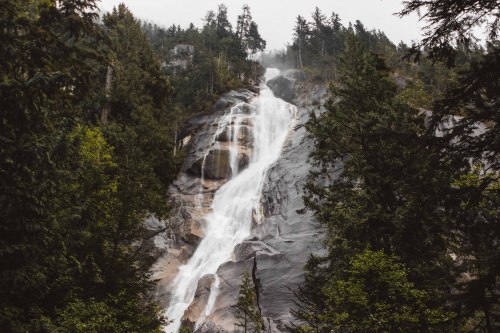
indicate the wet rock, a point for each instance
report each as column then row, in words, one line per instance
column 285, row 84
column 243, row 108
column 174, row 241
column 224, row 136
column 217, row 165
column 210, row 327
column 243, row 161
column 247, row 122
column 248, row 249
column 245, row 137
column 283, row 240
column 195, row 310
column 222, row 318
column 232, row 98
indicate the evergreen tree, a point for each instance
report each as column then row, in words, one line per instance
column 470, row 103
column 74, row 196
column 375, row 295
column 243, row 24
column 254, row 40
column 247, row 311
column 42, row 65
column 373, row 164
column 301, row 34
column 310, row 300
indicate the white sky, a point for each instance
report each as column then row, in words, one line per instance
column 276, row 18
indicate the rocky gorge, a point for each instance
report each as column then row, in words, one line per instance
column 279, row 239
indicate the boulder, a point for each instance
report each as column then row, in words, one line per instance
column 243, row 108
column 232, row 98
column 183, row 49
column 284, row 85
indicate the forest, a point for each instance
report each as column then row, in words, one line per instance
column 88, row 122
column 404, row 180
column 408, row 198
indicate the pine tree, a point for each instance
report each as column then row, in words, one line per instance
column 375, row 295
column 474, row 156
column 301, row 34
column 375, row 189
column 254, row 40
column 247, row 311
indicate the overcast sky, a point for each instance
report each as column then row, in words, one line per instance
column 276, row 18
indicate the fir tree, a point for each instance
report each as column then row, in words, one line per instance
column 247, row 311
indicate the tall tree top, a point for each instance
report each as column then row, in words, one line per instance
column 452, row 22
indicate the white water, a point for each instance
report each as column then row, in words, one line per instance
column 230, row 221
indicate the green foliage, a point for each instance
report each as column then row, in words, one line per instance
column 410, row 210
column 414, row 95
column 247, row 311
column 219, row 62
column 452, row 23
column 374, row 188
column 88, row 126
column 310, row 300
column 374, row 294
column 474, row 155
column 107, row 316
column 81, row 167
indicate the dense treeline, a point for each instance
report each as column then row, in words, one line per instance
column 408, row 199
column 219, row 61
column 318, row 43
column 88, row 120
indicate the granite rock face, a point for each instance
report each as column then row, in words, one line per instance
column 205, row 169
column 285, row 85
column 281, row 238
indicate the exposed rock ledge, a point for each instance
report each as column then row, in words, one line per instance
column 286, row 85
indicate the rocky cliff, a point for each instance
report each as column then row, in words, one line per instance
column 281, row 239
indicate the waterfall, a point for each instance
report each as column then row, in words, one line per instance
column 230, row 220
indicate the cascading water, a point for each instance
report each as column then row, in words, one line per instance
column 230, row 220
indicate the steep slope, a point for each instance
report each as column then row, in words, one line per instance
column 278, row 240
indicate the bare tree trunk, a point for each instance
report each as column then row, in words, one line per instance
column 300, row 55
column 175, row 139
column 107, row 90
column 487, row 315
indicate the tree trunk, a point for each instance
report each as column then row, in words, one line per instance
column 487, row 315
column 107, row 91
column 300, row 55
